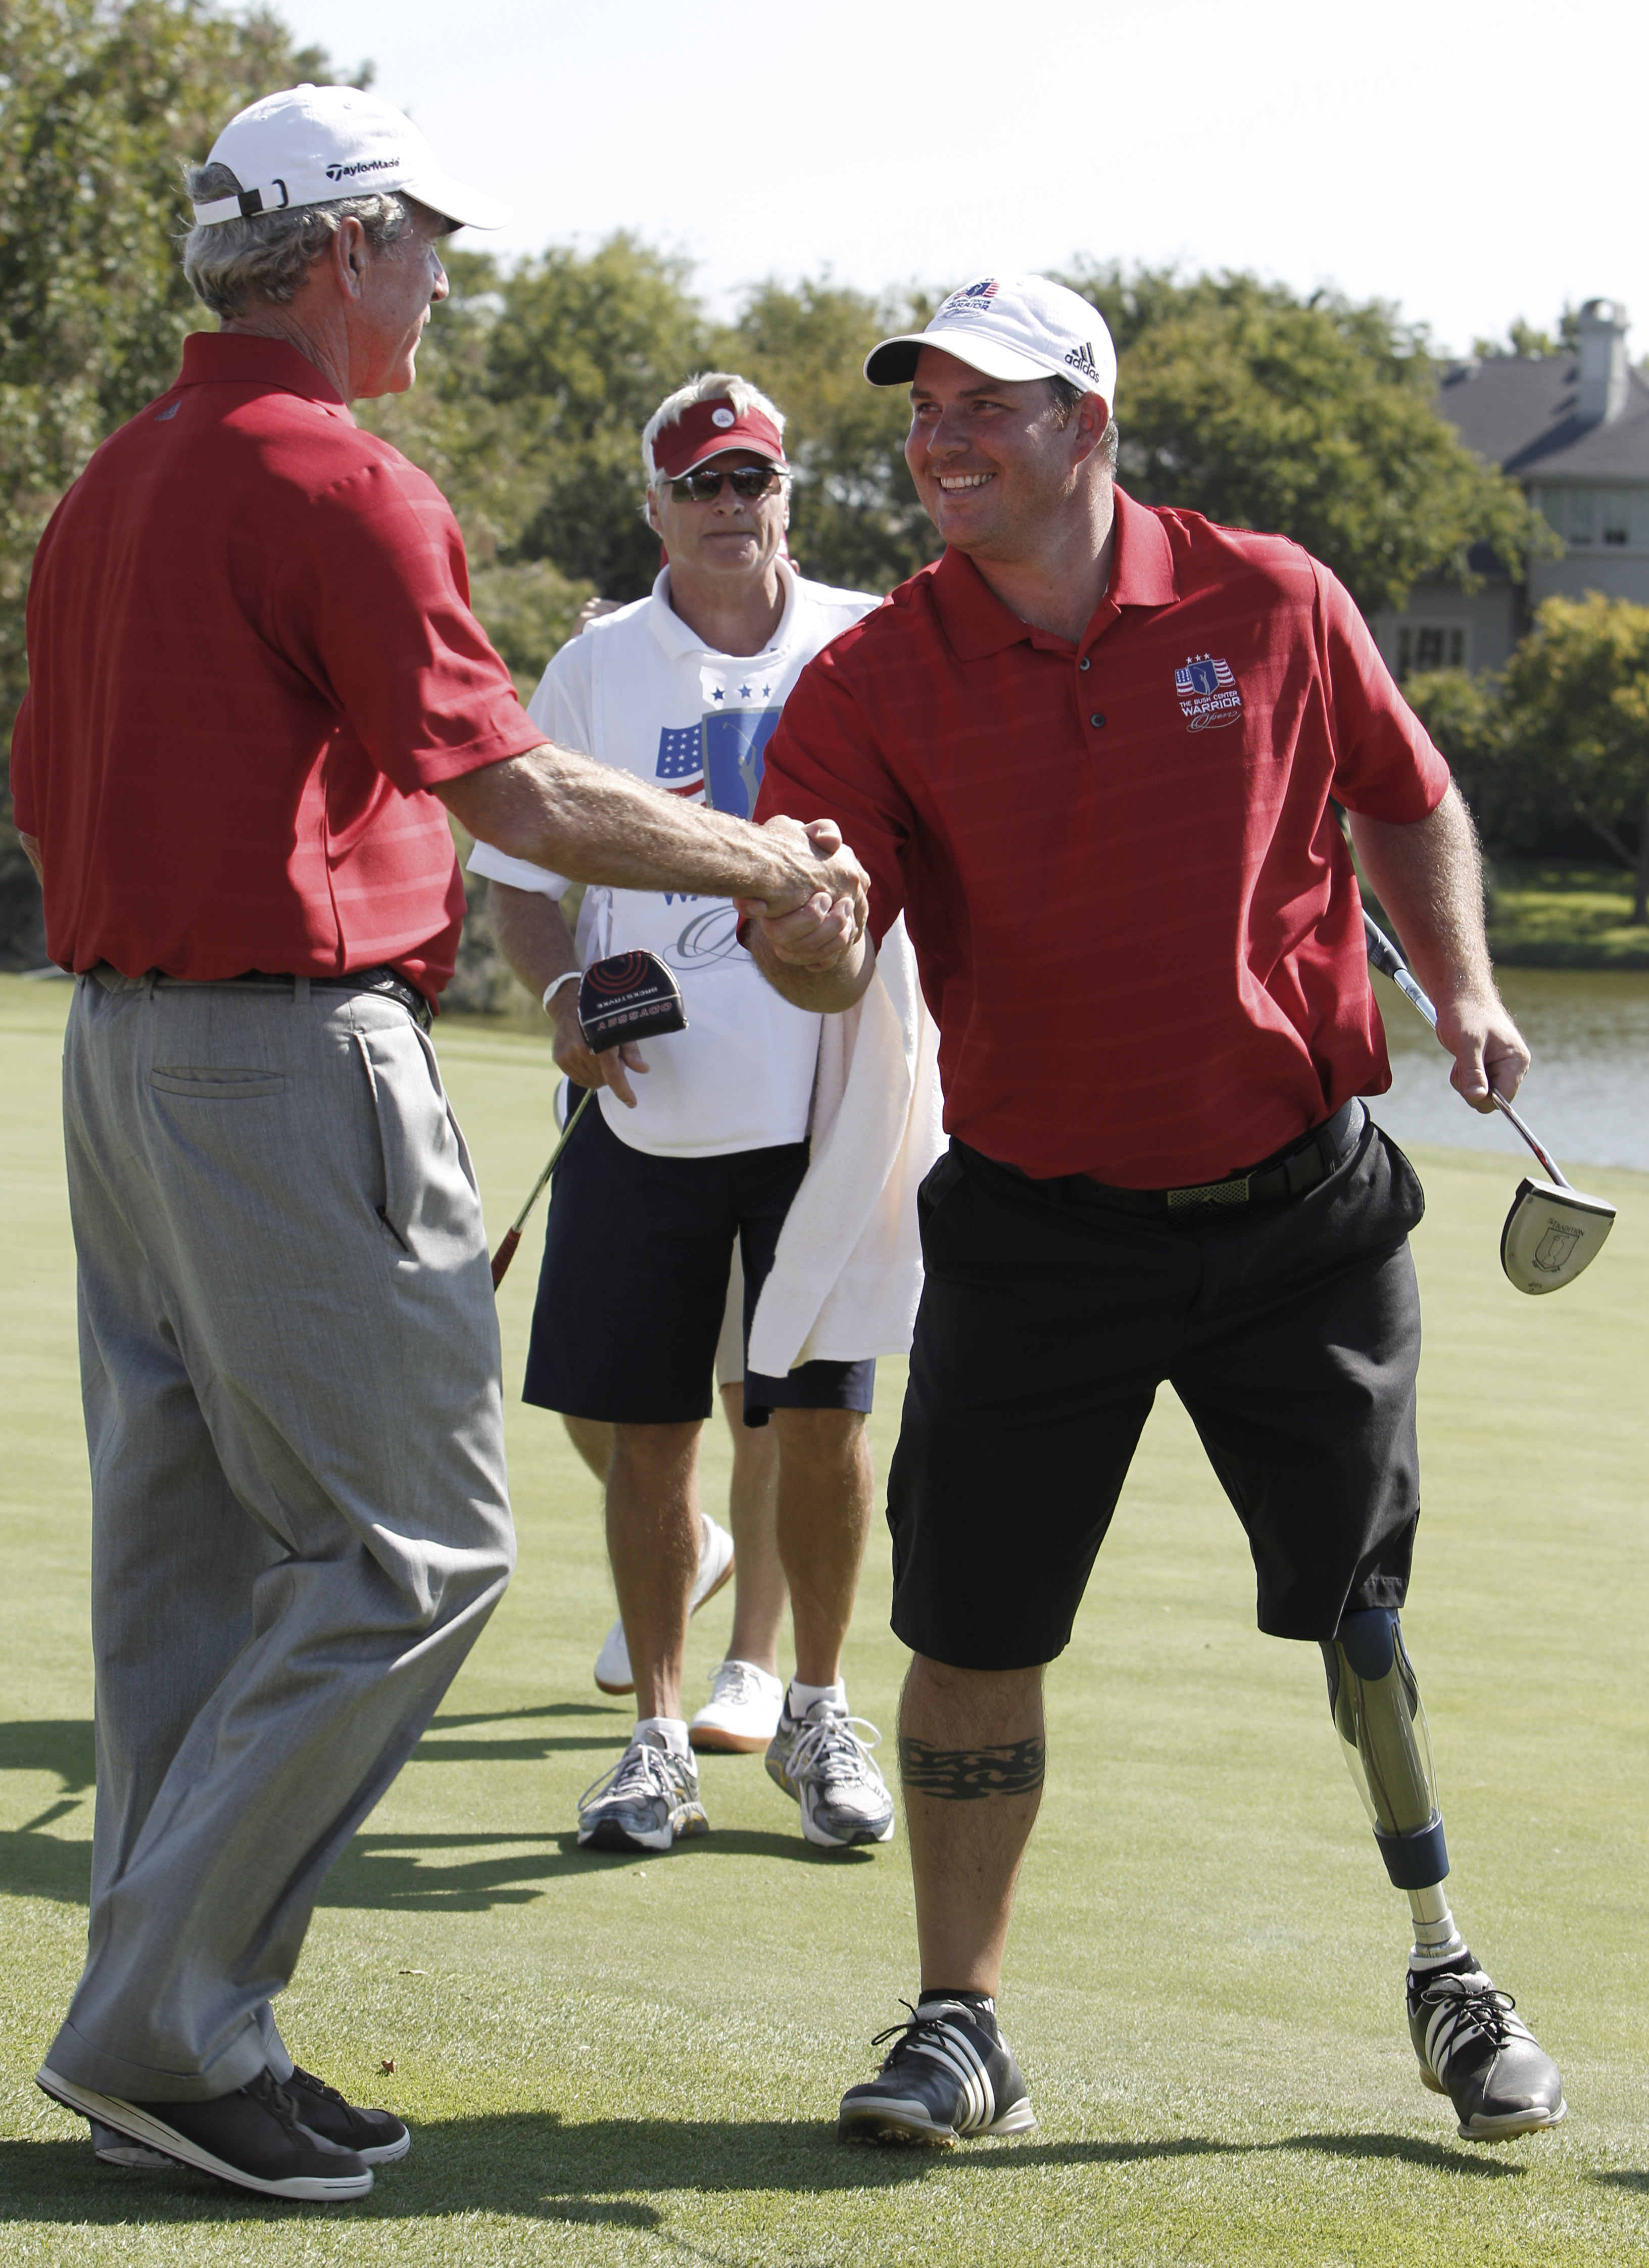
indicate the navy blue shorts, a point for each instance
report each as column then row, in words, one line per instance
column 1291, row 1334
column 634, row 1284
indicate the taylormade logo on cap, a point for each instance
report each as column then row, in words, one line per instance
column 1012, row 327
column 309, row 145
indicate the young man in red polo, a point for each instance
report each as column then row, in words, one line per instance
column 1092, row 756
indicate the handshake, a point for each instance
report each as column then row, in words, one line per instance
column 816, row 920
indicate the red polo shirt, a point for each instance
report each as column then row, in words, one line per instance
column 1137, row 922
column 251, row 655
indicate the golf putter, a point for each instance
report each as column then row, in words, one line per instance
column 1553, row 1230
column 628, row 996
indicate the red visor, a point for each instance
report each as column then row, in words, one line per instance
column 706, row 430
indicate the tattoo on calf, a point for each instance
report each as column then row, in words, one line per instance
column 965, row 1774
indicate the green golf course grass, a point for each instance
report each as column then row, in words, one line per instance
column 608, row 2060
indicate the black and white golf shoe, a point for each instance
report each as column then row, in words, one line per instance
column 253, row 2138
column 1476, row 2049
column 949, row 2074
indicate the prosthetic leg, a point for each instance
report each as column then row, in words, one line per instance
column 1471, row 2045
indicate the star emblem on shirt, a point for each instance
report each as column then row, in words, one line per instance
column 744, row 693
column 718, row 695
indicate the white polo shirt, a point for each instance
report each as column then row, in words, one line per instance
column 640, row 691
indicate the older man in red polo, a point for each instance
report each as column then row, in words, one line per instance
column 255, row 681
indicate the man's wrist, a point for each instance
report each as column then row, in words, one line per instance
column 568, row 976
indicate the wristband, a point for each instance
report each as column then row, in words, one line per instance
column 550, row 989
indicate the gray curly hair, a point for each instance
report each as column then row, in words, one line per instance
column 230, row 262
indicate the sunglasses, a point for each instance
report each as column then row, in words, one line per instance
column 747, row 481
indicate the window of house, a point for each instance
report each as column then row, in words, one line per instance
column 1430, row 645
column 1582, row 527
column 1614, row 515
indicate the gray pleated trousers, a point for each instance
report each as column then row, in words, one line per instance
column 300, row 1522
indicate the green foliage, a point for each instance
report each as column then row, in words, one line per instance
column 855, row 520
column 1313, row 418
column 101, row 103
column 1556, row 752
column 1577, row 699
column 1527, row 344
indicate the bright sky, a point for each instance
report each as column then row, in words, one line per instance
column 1472, row 159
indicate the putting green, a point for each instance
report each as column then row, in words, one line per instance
column 612, row 2061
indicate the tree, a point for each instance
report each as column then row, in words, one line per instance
column 1314, row 418
column 101, row 103
column 1523, row 342
column 1577, row 704
column 1555, row 751
column 855, row 520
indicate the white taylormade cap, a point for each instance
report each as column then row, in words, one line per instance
column 311, row 144
column 1010, row 327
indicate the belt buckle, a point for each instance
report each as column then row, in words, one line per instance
column 1212, row 1193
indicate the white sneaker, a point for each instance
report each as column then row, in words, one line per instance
column 742, row 1712
column 613, row 1672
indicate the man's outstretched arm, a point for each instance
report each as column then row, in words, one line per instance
column 1429, row 877
column 595, row 824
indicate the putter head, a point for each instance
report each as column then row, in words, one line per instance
column 1550, row 1234
column 628, row 996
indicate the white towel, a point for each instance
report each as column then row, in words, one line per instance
column 847, row 1274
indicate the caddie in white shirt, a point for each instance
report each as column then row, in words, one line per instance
column 697, row 1152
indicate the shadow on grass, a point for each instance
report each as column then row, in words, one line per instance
column 1624, row 2177
column 35, row 1865
column 548, row 1709
column 1440, row 2156
column 394, row 1871
column 531, row 2166
column 60, row 1745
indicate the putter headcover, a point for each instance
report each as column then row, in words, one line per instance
column 1550, row 1234
column 628, row 996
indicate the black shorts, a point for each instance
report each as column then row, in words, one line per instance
column 1290, row 1333
column 634, row 1283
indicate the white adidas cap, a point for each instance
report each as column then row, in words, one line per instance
column 311, row 144
column 1010, row 327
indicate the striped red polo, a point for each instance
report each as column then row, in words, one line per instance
column 1132, row 906
column 251, row 655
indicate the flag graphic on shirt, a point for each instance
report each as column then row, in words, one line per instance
column 734, row 742
column 682, row 759
column 1208, row 691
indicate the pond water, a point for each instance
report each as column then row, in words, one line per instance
column 1586, row 1096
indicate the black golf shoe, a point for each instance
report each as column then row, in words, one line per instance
column 949, row 2072
column 1476, row 2049
column 254, row 2139
column 376, row 2137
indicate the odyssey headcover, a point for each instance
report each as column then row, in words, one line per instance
column 628, row 996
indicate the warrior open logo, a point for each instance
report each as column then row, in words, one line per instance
column 1208, row 693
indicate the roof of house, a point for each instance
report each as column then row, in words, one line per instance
column 1519, row 412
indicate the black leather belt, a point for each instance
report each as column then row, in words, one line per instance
column 388, row 983
column 1289, row 1173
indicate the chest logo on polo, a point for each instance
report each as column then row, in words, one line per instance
column 1209, row 695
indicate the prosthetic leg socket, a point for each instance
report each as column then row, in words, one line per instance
column 1375, row 1701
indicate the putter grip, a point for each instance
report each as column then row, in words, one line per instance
column 505, row 1255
